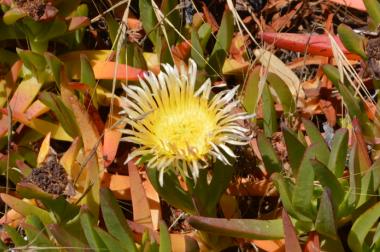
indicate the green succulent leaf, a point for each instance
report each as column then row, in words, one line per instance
column 328, row 180
column 285, row 188
column 352, row 41
column 269, row 112
column 112, row 244
column 304, row 186
column 361, row 228
column 251, row 92
column 63, row 210
column 87, row 75
column 171, row 191
column 241, row 228
column 222, row 44
column 197, row 51
column 316, row 138
column 115, row 221
column 12, row 15
column 271, row 162
column 338, row 155
column 172, row 14
column 66, row 239
column 149, row 20
column 37, row 235
column 373, row 9
column 26, row 209
column 204, row 33
column 165, row 244
column 325, row 222
column 282, row 90
column 295, row 148
column 88, row 222
column 16, row 237
column 63, row 114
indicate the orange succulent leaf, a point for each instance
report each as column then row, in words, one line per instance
column 112, row 136
column 140, row 204
column 154, row 204
column 121, row 187
column 102, row 65
column 11, row 218
column 24, row 95
column 39, row 125
column 233, row 67
column 110, row 145
column 69, row 157
column 238, row 47
column 270, row 245
column 9, row 82
column 181, row 242
column 36, row 109
column 105, row 71
column 91, row 144
column 370, row 109
column 12, row 75
column 117, row 183
column 313, row 44
column 134, row 23
column 44, row 149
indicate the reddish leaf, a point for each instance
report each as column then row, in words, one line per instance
column 362, row 146
column 329, row 111
column 79, row 86
column 313, row 44
column 312, row 243
column 12, row 76
column 291, row 240
column 210, row 18
column 78, row 22
column 182, row 50
column 356, row 4
column 284, row 21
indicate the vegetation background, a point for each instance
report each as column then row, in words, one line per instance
column 307, row 181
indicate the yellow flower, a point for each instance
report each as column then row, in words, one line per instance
column 178, row 126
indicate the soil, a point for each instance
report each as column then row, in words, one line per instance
column 51, row 177
column 37, row 9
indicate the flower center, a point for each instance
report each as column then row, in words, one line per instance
column 184, row 131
